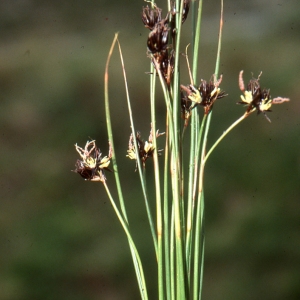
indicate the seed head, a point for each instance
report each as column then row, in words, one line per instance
column 92, row 164
column 256, row 98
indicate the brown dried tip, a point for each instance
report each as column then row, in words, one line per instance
column 241, row 81
column 279, row 100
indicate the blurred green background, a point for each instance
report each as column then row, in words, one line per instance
column 59, row 236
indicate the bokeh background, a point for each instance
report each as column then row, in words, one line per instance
column 59, row 236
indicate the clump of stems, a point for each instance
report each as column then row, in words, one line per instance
column 178, row 227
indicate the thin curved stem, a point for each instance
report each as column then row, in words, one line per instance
column 122, row 217
column 140, row 275
column 139, row 165
column 223, row 135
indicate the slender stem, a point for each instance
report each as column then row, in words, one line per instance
column 166, row 217
column 199, row 226
column 202, row 243
column 172, row 256
column 192, row 205
column 224, row 134
column 141, row 173
column 195, row 139
column 199, row 230
column 180, row 266
column 177, row 191
column 135, row 257
column 219, row 41
column 196, row 39
column 110, row 131
column 197, row 153
column 159, row 226
column 149, row 214
column 177, row 35
column 141, row 277
column 167, row 98
column 197, row 249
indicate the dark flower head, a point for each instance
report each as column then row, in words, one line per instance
column 166, row 62
column 151, row 16
column 92, row 164
column 256, row 98
column 186, row 107
column 206, row 94
column 210, row 92
column 186, row 8
column 145, row 149
column 158, row 37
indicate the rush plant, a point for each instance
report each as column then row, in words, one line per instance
column 178, row 227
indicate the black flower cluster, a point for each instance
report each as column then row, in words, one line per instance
column 158, row 39
column 92, row 164
column 256, row 98
column 145, row 149
column 205, row 95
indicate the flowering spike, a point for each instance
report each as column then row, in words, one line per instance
column 151, row 17
column 92, row 165
column 256, row 98
column 206, row 94
column 145, row 149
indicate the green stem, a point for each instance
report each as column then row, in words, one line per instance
column 180, row 266
column 196, row 39
column 135, row 257
column 141, row 277
column 172, row 256
column 141, row 173
column 198, row 246
column 110, row 131
column 166, row 217
column 159, row 226
column 223, row 135
column 199, row 226
column 149, row 214
column 192, row 205
column 181, row 280
column 195, row 139
column 199, row 230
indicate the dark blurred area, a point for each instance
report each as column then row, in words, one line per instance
column 60, row 238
